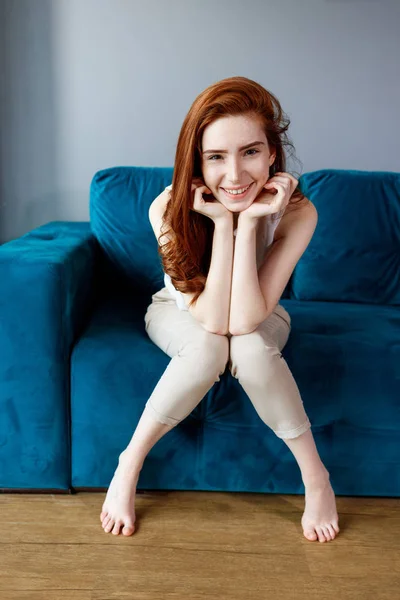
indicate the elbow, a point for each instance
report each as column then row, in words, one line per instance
column 215, row 329
column 242, row 330
column 210, row 326
column 245, row 327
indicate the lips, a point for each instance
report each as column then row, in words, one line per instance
column 242, row 195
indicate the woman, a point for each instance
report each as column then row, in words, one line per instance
column 231, row 229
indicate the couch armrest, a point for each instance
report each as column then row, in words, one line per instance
column 47, row 291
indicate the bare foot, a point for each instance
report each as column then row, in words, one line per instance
column 119, row 506
column 320, row 519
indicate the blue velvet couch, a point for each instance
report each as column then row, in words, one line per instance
column 77, row 367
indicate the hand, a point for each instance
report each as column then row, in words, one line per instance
column 210, row 207
column 268, row 203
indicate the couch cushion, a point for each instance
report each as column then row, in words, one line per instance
column 354, row 255
column 344, row 358
column 120, row 198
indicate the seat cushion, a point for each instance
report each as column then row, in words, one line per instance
column 344, row 358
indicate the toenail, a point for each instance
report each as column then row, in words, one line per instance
column 127, row 530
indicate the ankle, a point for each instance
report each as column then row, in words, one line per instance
column 128, row 461
column 316, row 478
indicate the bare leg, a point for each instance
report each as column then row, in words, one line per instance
column 320, row 518
column 119, row 506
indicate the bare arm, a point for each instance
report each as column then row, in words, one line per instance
column 265, row 286
column 212, row 306
column 247, row 309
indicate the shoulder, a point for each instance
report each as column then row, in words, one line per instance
column 159, row 204
column 300, row 215
column 156, row 212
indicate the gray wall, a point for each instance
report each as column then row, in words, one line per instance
column 89, row 84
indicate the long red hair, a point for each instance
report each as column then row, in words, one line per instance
column 186, row 256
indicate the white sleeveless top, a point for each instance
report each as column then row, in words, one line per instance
column 264, row 240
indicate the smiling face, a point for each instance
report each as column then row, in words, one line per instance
column 236, row 158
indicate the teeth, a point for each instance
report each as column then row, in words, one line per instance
column 236, row 192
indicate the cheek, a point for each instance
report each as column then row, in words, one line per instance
column 210, row 176
column 207, row 172
column 263, row 168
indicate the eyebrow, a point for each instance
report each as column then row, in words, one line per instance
column 242, row 148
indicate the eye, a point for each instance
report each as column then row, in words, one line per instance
column 218, row 156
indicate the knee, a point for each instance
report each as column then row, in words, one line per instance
column 251, row 352
column 210, row 350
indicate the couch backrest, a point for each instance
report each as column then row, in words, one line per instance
column 120, row 198
column 354, row 255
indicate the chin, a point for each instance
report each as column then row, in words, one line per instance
column 235, row 209
column 239, row 207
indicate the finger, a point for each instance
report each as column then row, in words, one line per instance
column 283, row 176
column 286, row 174
column 287, row 184
column 195, row 188
column 277, row 185
column 198, row 201
column 203, row 188
column 198, row 196
column 293, row 179
column 285, row 188
column 284, row 179
column 281, row 193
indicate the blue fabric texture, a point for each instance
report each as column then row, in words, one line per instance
column 120, row 199
column 343, row 356
column 77, row 367
column 354, row 255
column 47, row 293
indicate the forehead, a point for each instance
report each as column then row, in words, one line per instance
column 232, row 132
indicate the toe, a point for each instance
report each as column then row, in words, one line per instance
column 103, row 515
column 311, row 535
column 109, row 526
column 128, row 529
column 320, row 533
column 326, row 533
column 335, row 526
column 331, row 531
column 106, row 520
column 116, row 527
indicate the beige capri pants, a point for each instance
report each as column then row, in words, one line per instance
column 199, row 357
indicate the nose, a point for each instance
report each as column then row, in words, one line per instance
column 233, row 171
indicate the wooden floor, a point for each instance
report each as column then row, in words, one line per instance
column 196, row 545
